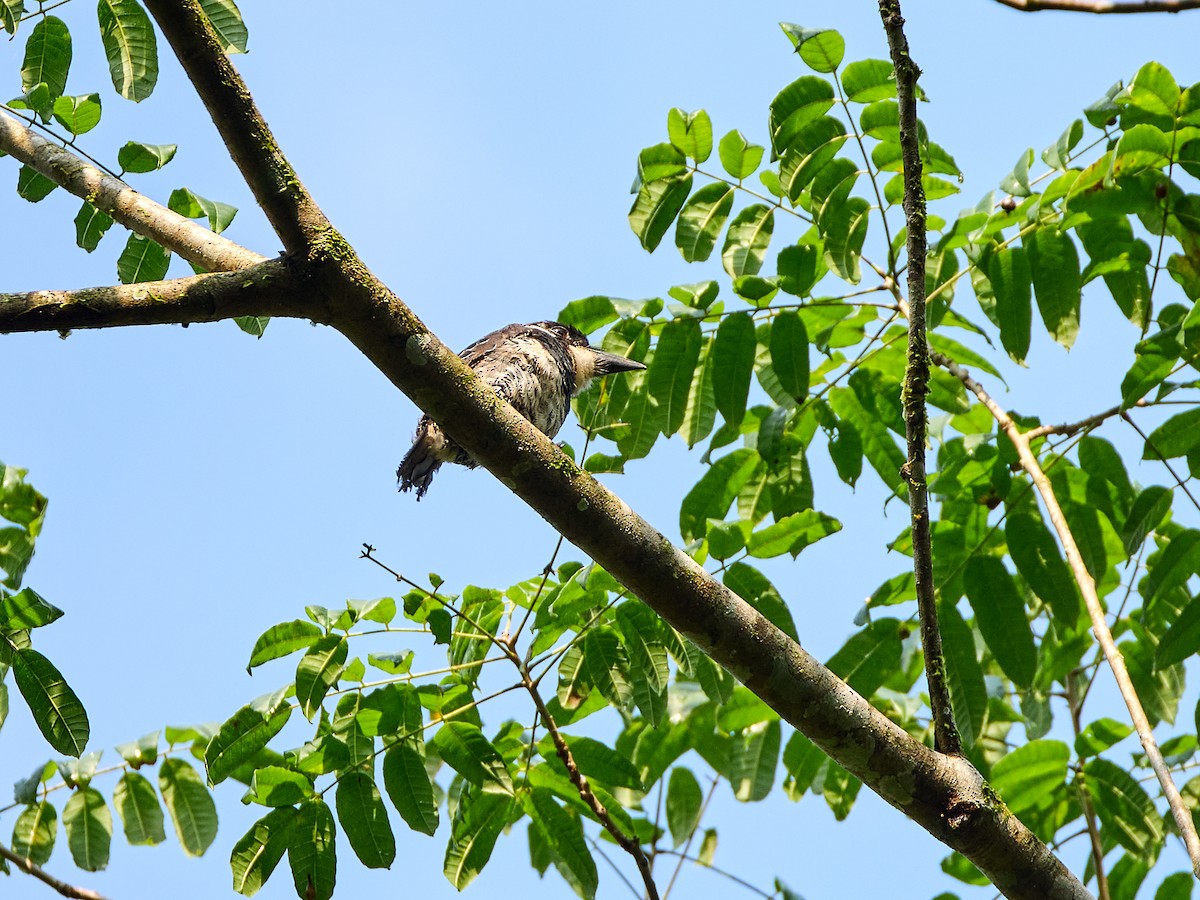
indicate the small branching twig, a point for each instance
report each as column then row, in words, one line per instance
column 1087, row 587
column 29, row 867
column 916, row 382
column 629, row 844
column 1075, row 704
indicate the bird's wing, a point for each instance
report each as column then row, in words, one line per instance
column 489, row 343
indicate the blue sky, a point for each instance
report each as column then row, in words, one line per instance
column 204, row 485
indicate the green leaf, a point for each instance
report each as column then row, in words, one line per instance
column 713, row 494
column 733, row 354
column 11, row 12
column 799, row 268
column 600, row 762
column 845, row 232
column 26, row 609
column 563, row 832
column 226, row 20
column 964, row 675
column 1125, row 809
column 684, row 802
column 669, row 379
column 189, row 804
column 1098, row 736
column 1147, row 513
column 480, row 820
column 655, row 208
column 276, row 786
column 661, row 161
column 789, row 353
column 868, row 80
column 802, row 102
column 878, row 445
column 791, row 534
column 282, row 640
column 142, row 260
column 252, row 325
column 47, row 56
column 1000, row 616
column 753, row 758
column 259, row 850
column 747, row 239
column 691, row 133
column 78, row 115
column 130, row 46
column 35, row 831
column 56, row 709
column 701, row 221
column 1178, row 436
column 869, row 657
column 407, row 783
column 1040, row 563
column 1054, row 265
column 137, row 157
column 88, row 824
column 648, row 666
column 1008, row 271
column 312, row 851
column 810, row 150
column 1182, row 638
column 466, row 750
column 90, row 226
column 318, row 671
column 821, row 49
column 33, row 185
column 1057, row 155
column 1029, row 778
column 190, row 204
column 364, row 820
column 739, row 157
column 245, row 734
column 1177, row 886
column 141, row 815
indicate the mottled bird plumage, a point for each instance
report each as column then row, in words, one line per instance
column 537, row 368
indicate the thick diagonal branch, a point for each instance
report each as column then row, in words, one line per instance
column 916, row 382
column 193, row 242
column 1104, row 636
column 289, row 207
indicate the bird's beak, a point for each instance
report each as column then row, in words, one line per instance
column 610, row 363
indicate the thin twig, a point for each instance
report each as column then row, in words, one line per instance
column 1087, row 587
column 629, row 844
column 1179, row 481
column 1075, row 705
column 29, row 867
column 1070, row 429
column 916, row 383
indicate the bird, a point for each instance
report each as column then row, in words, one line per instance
column 537, row 368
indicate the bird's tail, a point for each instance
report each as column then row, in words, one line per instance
column 423, row 460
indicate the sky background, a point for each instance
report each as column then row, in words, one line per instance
column 204, row 485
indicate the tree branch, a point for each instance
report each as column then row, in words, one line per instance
column 289, row 207
column 139, row 214
column 1116, row 662
column 29, row 867
column 916, row 382
column 272, row 288
column 1103, row 6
